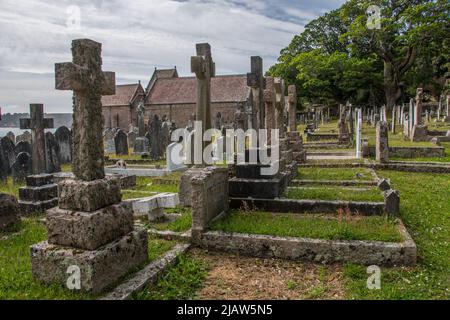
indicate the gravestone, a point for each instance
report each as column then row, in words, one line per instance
column 292, row 100
column 52, row 154
column 108, row 140
column 63, row 138
column 26, row 136
column 155, row 138
column 7, row 147
column 131, row 139
column 22, row 146
column 91, row 229
column 11, row 136
column 240, row 117
column 141, row 120
column 3, row 164
column 269, row 101
column 218, row 121
column 121, row 143
column 165, row 137
column 22, row 167
column 256, row 81
column 204, row 68
column 9, row 211
column 418, row 107
column 382, row 143
column 37, row 123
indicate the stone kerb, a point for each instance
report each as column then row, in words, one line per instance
column 210, row 187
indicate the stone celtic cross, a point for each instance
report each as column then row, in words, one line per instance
column 204, row 68
column 256, row 81
column 87, row 80
column 37, row 123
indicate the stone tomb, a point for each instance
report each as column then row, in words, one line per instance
column 40, row 194
column 91, row 230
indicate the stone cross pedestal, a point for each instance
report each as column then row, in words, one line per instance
column 256, row 81
column 91, row 230
column 37, row 123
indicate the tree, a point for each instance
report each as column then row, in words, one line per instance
column 406, row 28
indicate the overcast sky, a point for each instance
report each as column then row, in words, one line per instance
column 137, row 36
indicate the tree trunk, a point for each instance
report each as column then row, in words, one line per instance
column 392, row 88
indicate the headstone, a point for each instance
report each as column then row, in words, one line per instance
column 204, row 68
column 131, row 139
column 9, row 211
column 392, row 202
column 11, row 136
column 256, row 81
column 292, row 108
column 52, row 154
column 63, row 138
column 218, row 121
column 121, row 143
column 165, row 136
column 22, row 167
column 358, row 132
column 343, row 131
column 382, row 145
column 270, row 100
column 240, row 117
column 155, row 138
column 22, row 146
column 91, row 229
column 7, row 148
column 108, row 140
column 418, row 108
column 384, row 185
column 26, row 136
column 141, row 120
column 37, row 123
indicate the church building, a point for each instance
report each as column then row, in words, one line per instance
column 168, row 94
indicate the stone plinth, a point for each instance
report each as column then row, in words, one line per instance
column 9, row 211
column 88, row 230
column 209, row 188
column 40, row 194
column 89, row 196
column 99, row 269
column 257, row 188
column 185, row 186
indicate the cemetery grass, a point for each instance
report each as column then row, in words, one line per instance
column 329, row 226
column 146, row 187
column 16, row 281
column 316, row 173
column 179, row 282
column 10, row 187
column 335, row 193
column 182, row 224
column 425, row 210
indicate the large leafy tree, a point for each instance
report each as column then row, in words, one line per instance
column 407, row 29
column 338, row 57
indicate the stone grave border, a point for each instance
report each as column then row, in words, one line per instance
column 411, row 152
column 149, row 274
column 408, row 166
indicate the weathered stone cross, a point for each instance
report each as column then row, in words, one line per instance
column 85, row 77
column 256, row 81
column 204, row 68
column 279, row 106
column 37, row 123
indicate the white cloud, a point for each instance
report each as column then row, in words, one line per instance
column 136, row 36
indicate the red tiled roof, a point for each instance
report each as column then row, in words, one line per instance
column 184, row 90
column 124, row 95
